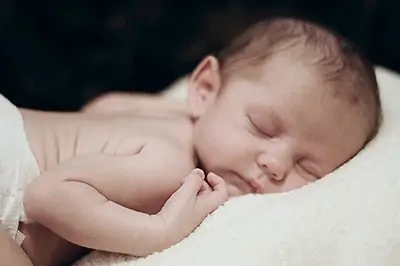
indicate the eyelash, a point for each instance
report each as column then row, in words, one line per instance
column 307, row 171
column 264, row 134
column 257, row 129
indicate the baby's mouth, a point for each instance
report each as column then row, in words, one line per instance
column 252, row 186
column 255, row 185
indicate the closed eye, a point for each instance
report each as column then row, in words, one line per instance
column 257, row 129
column 307, row 172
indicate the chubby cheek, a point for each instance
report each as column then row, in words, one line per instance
column 221, row 147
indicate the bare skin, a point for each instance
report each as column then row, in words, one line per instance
column 112, row 180
column 10, row 252
column 105, row 152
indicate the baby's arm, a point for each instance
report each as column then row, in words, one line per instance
column 80, row 201
column 10, row 252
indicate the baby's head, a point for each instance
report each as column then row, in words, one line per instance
column 285, row 104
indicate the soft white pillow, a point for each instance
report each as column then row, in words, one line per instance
column 350, row 218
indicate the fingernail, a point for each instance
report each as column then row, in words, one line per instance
column 211, row 173
column 198, row 172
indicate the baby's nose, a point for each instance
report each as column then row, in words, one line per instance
column 274, row 167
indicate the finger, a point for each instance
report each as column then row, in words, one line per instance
column 216, row 182
column 217, row 197
column 185, row 194
column 205, row 189
column 192, row 184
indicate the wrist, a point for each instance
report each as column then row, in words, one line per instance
column 154, row 237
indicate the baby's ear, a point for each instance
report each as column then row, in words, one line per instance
column 204, row 85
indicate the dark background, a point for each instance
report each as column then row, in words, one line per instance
column 56, row 55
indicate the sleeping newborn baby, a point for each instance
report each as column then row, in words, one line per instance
column 285, row 104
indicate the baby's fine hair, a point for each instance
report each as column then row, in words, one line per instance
column 338, row 61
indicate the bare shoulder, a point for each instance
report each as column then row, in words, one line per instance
column 165, row 143
column 165, row 164
column 171, row 158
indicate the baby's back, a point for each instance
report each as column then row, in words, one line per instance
column 58, row 137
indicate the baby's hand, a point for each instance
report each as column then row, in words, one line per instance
column 190, row 205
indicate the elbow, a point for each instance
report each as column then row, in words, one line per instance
column 49, row 203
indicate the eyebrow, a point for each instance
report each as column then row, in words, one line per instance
column 273, row 116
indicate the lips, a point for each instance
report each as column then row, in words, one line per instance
column 256, row 186
column 245, row 184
